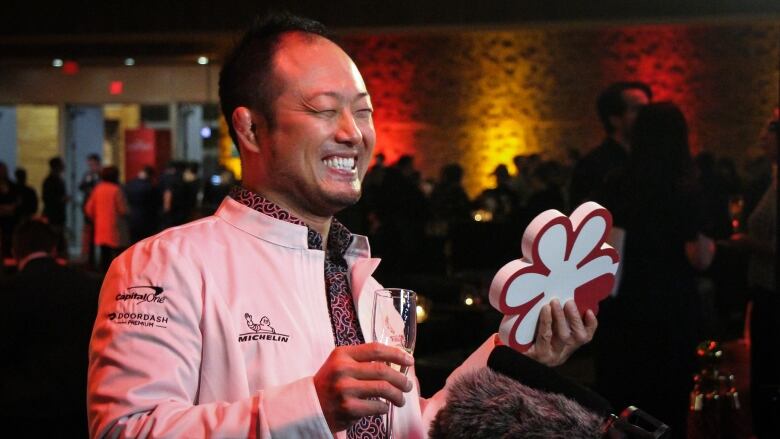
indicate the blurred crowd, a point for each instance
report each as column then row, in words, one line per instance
column 114, row 215
column 698, row 240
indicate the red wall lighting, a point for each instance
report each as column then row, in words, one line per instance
column 116, row 87
column 70, row 67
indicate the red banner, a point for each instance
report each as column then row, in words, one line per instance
column 146, row 147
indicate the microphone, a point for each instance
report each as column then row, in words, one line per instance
column 540, row 377
column 484, row 404
column 631, row 423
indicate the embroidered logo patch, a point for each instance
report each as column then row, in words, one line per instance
column 142, row 294
column 262, row 331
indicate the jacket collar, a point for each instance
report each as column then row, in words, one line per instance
column 279, row 232
column 286, row 234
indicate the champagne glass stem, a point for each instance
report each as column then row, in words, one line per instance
column 389, row 425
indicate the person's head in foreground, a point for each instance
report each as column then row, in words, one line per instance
column 297, row 107
column 33, row 238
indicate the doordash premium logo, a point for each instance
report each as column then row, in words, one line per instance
column 263, row 331
column 138, row 319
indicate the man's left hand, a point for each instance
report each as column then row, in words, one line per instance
column 560, row 332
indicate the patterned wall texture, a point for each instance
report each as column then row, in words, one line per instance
column 481, row 97
column 37, row 131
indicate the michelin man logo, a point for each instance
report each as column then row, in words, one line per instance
column 263, row 326
column 263, row 331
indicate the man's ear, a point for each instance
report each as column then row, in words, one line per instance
column 245, row 128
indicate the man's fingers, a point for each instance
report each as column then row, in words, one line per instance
column 379, row 352
column 380, row 371
column 560, row 325
column 356, row 408
column 378, row 389
column 577, row 327
column 544, row 329
column 591, row 323
column 353, row 378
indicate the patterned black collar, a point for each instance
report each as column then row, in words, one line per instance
column 339, row 237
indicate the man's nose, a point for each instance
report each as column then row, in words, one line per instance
column 348, row 131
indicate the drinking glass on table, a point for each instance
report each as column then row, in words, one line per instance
column 394, row 323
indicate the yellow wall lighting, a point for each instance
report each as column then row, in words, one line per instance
column 227, row 156
column 499, row 144
column 498, row 105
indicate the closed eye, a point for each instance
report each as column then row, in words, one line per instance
column 364, row 112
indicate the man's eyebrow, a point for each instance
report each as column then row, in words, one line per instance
column 337, row 95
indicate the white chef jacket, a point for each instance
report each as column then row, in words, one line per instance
column 216, row 328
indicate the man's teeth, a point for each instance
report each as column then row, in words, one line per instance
column 342, row 163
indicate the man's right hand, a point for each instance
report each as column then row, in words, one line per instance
column 352, row 379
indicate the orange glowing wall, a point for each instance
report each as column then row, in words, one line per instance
column 480, row 97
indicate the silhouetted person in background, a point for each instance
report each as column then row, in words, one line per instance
column 726, row 170
column 216, row 189
column 521, row 181
column 449, row 202
column 46, row 320
column 617, row 106
column 89, row 180
column 502, row 200
column 144, row 201
column 374, row 177
column 403, row 212
column 363, row 217
column 758, row 177
column 714, row 197
column 9, row 203
column 54, row 194
column 28, row 198
column 193, row 187
column 450, row 210
column 645, row 347
column 55, row 198
column 91, row 176
column 759, row 243
column 175, row 199
column 547, row 192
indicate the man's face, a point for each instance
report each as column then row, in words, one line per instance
column 634, row 99
column 94, row 165
column 316, row 154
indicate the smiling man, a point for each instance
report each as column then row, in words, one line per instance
column 194, row 363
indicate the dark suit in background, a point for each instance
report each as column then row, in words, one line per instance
column 590, row 173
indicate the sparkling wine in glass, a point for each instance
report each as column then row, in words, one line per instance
column 395, row 324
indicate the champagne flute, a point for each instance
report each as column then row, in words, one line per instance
column 394, row 323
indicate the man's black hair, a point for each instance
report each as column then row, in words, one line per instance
column 56, row 164
column 94, row 156
column 21, row 176
column 110, row 174
column 33, row 236
column 611, row 102
column 246, row 79
column 659, row 145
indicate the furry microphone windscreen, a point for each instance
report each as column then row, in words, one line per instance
column 486, row 404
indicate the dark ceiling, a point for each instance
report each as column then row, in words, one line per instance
column 166, row 30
